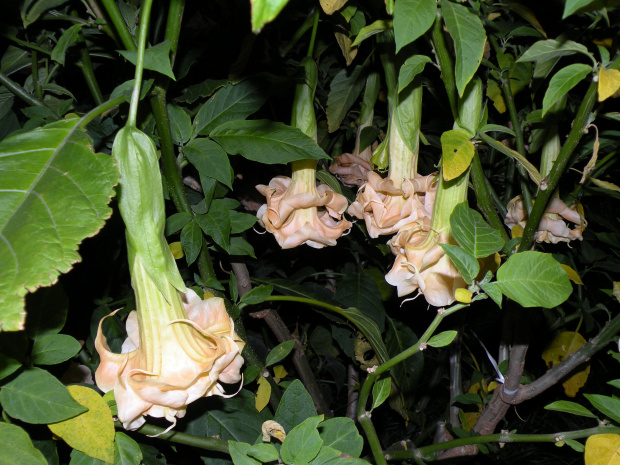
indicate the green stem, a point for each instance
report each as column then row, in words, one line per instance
column 99, row 110
column 173, row 27
column 307, row 24
column 86, row 66
column 35, row 75
column 445, row 65
column 315, row 24
column 363, row 415
column 119, row 24
column 145, row 16
column 483, row 197
column 516, row 127
column 501, row 438
column 214, row 444
column 19, row 91
column 23, row 43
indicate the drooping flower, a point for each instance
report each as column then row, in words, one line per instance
column 300, row 212
column 176, row 352
column 553, row 227
column 421, row 264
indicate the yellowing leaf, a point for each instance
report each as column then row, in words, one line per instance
column 572, row 275
column 207, row 295
column 458, row 152
column 608, row 83
column 516, row 231
column 604, row 184
column 492, row 386
column 561, row 347
column 603, row 449
column 273, row 429
column 463, row 295
column 331, row 6
column 278, row 373
column 616, row 290
column 345, row 46
column 495, row 94
column 263, row 394
column 92, row 432
column 176, row 249
column 471, row 418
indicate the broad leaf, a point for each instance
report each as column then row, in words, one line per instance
column 30, row 11
column 35, row 396
column 49, row 196
column 360, row 291
column 239, row 453
column 239, row 246
column 257, row 295
column 340, row 433
column 266, row 141
column 331, row 6
column 126, row 450
column 240, row 222
column 216, row 224
column 372, row 29
column 562, row 82
column 344, row 90
column 265, row 11
column 469, row 38
column 93, row 431
column 175, row 222
column 545, row 50
column 464, row 261
column 180, row 124
column 412, row 18
column 203, row 89
column 572, row 6
column 381, row 391
column 8, row 366
column 302, row 443
column 233, row 102
column 279, row 352
column 67, row 39
column 570, row 407
column 457, row 153
column 16, row 447
column 191, row 241
column 608, row 406
column 295, row 406
column 210, row 160
column 602, row 449
column 473, row 233
column 54, row 348
column 47, row 311
column 534, row 279
column 369, row 329
column 608, row 83
column 442, row 339
column 156, row 58
column 412, row 66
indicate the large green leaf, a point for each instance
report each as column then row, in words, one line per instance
column 295, row 406
column 473, row 233
column 534, row 279
column 545, row 50
column 210, row 160
column 464, row 261
column 412, row 66
column 302, row 443
column 360, row 291
column 233, row 102
column 35, row 396
column 265, row 11
column 369, row 329
column 570, row 407
column 216, row 224
column 54, row 193
column 31, row 10
column 344, row 90
column 341, row 434
column 562, row 82
column 469, row 38
column 67, row 39
column 54, row 348
column 156, row 58
column 412, row 18
column 609, row 406
column 180, row 124
column 266, row 141
column 16, row 447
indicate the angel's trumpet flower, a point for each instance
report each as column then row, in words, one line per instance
column 300, row 212
column 176, row 352
column 297, row 210
column 421, row 264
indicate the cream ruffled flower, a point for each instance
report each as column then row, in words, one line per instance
column 421, row 264
column 552, row 227
column 387, row 209
column 351, row 169
column 175, row 352
column 300, row 212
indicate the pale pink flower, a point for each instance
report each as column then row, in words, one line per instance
column 175, row 352
column 553, row 227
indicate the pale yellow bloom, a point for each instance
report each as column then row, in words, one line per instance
column 387, row 209
column 175, row 352
column 300, row 212
column 553, row 227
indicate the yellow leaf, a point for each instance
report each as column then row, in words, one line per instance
column 604, row 184
column 207, row 295
column 516, row 231
column 331, row 6
column 616, row 290
column 263, row 394
column 603, row 449
column 92, row 432
column 471, row 418
column 561, row 347
column 608, row 83
column 458, row 152
column 278, row 373
column 572, row 275
column 176, row 249
column 492, row 386
column 345, row 46
column 495, row 94
column 463, row 295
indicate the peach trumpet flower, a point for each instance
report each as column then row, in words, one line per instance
column 553, row 227
column 352, row 168
column 421, row 264
column 175, row 352
column 300, row 212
